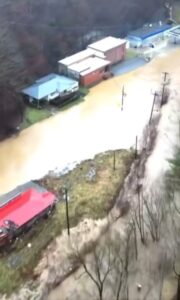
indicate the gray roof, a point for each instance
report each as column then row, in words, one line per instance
column 4, row 199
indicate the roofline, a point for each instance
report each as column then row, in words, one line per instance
column 146, row 36
column 105, row 63
column 103, row 51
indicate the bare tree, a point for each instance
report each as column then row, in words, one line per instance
column 138, row 216
column 178, row 282
column 108, row 265
column 147, row 217
column 155, row 214
column 11, row 110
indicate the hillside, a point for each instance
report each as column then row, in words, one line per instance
column 35, row 34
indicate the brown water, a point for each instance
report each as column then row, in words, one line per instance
column 96, row 125
column 78, row 285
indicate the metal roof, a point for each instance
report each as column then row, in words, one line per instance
column 48, row 85
column 26, row 206
column 89, row 65
column 107, row 43
column 4, row 199
column 149, row 30
column 77, row 57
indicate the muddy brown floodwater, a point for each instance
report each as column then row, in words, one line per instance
column 78, row 285
column 96, row 125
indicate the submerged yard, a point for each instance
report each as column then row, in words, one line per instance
column 34, row 115
column 92, row 188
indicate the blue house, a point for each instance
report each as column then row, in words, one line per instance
column 148, row 34
column 50, row 87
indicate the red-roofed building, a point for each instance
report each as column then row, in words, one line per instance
column 20, row 208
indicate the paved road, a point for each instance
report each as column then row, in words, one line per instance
column 128, row 65
column 137, row 62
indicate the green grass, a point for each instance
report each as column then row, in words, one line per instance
column 87, row 199
column 34, row 115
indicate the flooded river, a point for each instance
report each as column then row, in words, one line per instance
column 96, row 125
column 78, row 285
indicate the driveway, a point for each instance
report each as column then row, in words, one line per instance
column 128, row 66
column 137, row 62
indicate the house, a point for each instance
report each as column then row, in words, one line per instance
column 111, row 48
column 87, row 66
column 50, row 87
column 93, row 64
column 148, row 34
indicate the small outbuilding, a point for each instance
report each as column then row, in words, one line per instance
column 148, row 34
column 50, row 87
column 111, row 48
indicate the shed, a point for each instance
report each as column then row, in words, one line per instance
column 113, row 49
column 50, row 87
column 148, row 34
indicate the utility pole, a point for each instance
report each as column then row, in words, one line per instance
column 67, row 210
column 123, row 96
column 165, row 76
column 152, row 109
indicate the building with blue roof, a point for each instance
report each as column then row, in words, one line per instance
column 50, row 87
column 148, row 34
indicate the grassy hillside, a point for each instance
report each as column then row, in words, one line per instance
column 88, row 198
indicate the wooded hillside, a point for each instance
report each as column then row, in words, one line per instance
column 35, row 34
